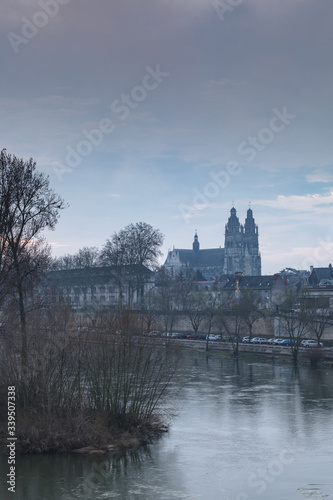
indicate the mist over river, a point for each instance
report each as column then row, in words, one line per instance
column 242, row 429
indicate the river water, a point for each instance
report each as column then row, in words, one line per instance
column 240, row 430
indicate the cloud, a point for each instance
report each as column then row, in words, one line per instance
column 56, row 244
column 320, row 176
column 297, row 203
column 301, row 257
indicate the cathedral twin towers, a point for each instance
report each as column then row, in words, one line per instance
column 241, row 246
column 240, row 252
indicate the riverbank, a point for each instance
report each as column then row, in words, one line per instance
column 97, row 391
column 306, row 355
column 122, row 441
column 97, row 439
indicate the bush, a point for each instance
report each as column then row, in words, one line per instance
column 79, row 386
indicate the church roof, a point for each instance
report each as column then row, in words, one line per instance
column 96, row 275
column 209, row 257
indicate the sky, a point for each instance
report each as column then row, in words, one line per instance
column 171, row 112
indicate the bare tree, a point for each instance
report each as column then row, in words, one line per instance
column 213, row 301
column 165, row 299
column 235, row 322
column 136, row 245
column 320, row 316
column 249, row 309
column 85, row 257
column 143, row 244
column 149, row 311
column 294, row 320
column 30, row 207
column 194, row 305
column 64, row 262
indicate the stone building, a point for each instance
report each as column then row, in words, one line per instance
column 240, row 252
column 270, row 290
column 105, row 287
column 321, row 276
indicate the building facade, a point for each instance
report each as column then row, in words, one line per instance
column 108, row 287
column 269, row 290
column 240, row 252
column 321, row 276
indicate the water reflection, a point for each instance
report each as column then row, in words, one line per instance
column 243, row 430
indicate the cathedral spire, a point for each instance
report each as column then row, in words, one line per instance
column 196, row 244
column 250, row 226
column 233, row 225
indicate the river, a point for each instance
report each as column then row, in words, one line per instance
column 239, row 430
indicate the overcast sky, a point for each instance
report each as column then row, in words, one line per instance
column 171, row 111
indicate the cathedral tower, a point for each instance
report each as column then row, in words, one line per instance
column 196, row 244
column 252, row 259
column 233, row 244
column 241, row 248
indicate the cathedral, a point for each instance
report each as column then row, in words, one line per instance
column 240, row 252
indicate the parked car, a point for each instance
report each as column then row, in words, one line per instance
column 255, row 340
column 202, row 337
column 259, row 340
column 190, row 337
column 246, row 340
column 287, row 342
column 313, row 343
column 154, row 334
column 262, row 341
column 177, row 335
column 271, row 341
column 278, row 341
column 213, row 337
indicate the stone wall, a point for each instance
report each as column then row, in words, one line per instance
column 262, row 327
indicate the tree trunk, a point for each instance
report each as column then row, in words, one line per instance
column 23, row 325
column 24, row 343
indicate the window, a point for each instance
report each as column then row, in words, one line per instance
column 316, row 302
